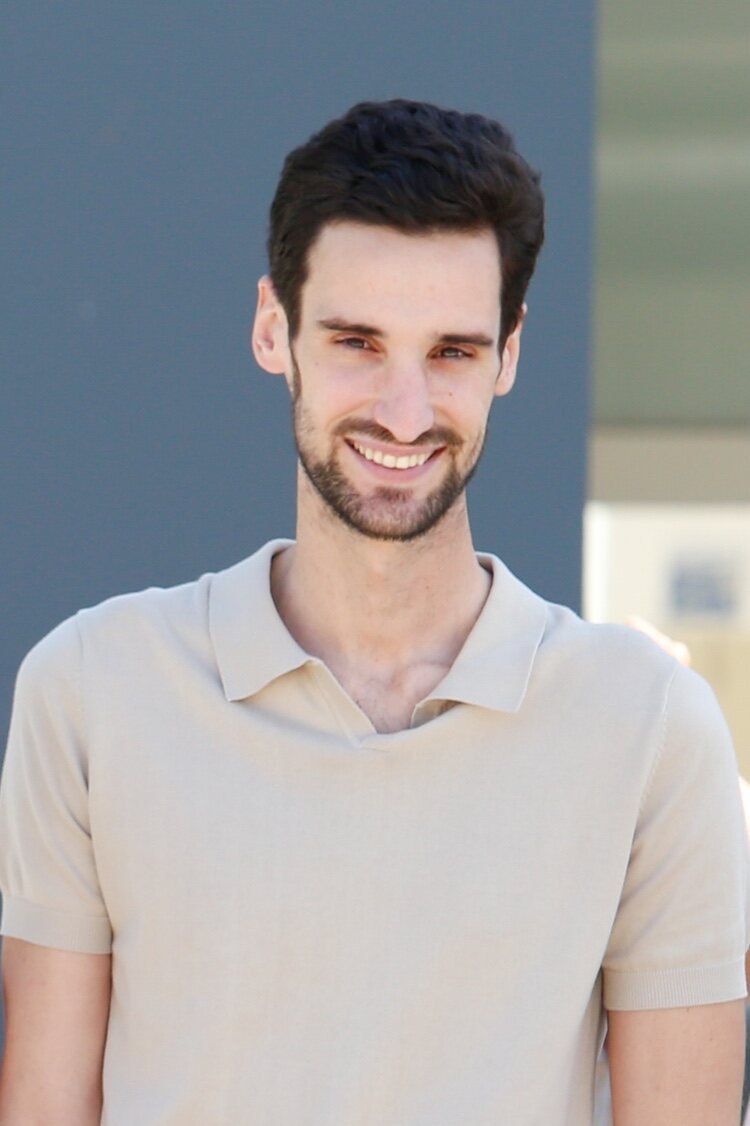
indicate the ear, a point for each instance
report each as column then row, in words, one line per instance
column 270, row 337
column 511, row 353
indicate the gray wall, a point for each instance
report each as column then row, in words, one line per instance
column 142, row 142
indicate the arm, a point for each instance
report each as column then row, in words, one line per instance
column 677, row 1067
column 57, row 1004
column 745, row 795
column 674, row 972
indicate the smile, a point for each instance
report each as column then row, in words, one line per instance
column 388, row 460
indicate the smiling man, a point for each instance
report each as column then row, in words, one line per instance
column 419, row 449
column 361, row 831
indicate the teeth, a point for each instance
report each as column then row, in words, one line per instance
column 388, row 460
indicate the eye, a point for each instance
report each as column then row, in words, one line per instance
column 358, row 343
column 451, row 352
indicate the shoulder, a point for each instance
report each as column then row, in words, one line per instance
column 631, row 687
column 138, row 622
column 626, row 662
column 138, row 641
column 622, row 684
column 616, row 660
column 566, row 629
column 567, row 642
column 149, row 613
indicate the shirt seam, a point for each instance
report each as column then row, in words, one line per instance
column 80, row 702
column 661, row 741
column 696, row 967
column 9, row 897
column 88, row 757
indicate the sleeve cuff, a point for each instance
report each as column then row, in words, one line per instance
column 674, row 989
column 86, row 934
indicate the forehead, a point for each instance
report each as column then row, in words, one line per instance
column 367, row 271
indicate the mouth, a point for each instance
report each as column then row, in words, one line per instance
column 399, row 462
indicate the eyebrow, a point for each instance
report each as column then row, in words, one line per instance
column 337, row 324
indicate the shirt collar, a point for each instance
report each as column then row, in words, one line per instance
column 251, row 643
column 253, row 646
column 494, row 666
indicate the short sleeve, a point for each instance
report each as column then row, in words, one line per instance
column 679, row 937
column 51, row 894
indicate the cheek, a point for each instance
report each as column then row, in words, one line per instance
column 343, row 398
column 468, row 407
column 323, row 410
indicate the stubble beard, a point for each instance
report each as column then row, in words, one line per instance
column 388, row 513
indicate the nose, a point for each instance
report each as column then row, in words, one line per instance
column 404, row 404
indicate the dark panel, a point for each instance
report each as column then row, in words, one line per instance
column 142, row 142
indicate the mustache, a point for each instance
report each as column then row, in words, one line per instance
column 366, row 428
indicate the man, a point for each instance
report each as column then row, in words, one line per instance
column 361, row 832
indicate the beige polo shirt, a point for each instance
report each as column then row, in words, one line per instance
column 313, row 924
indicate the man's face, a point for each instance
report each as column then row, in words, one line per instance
column 393, row 371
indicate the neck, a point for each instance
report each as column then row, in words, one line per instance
column 379, row 605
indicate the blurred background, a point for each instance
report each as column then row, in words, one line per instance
column 667, row 526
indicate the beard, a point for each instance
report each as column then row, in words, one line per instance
column 389, row 512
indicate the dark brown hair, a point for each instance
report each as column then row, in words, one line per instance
column 414, row 167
